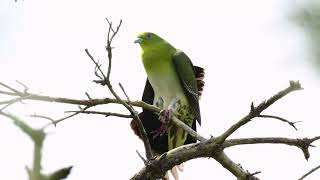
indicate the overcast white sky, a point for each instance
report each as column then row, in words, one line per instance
column 249, row 51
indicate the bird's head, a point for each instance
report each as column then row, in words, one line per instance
column 148, row 39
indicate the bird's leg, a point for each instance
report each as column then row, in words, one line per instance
column 162, row 129
column 165, row 116
column 160, row 102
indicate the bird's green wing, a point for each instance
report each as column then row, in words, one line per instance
column 186, row 73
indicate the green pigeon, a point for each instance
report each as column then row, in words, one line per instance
column 173, row 84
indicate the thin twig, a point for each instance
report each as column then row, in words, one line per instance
column 309, row 172
column 142, row 158
column 56, row 121
column 281, row 119
column 10, row 88
column 102, row 113
column 13, row 101
column 24, row 86
column 10, row 101
column 87, row 94
column 42, row 117
column 116, row 31
column 7, row 93
column 110, row 25
column 97, row 65
column 124, row 92
column 255, row 173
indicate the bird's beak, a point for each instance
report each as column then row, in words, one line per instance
column 139, row 40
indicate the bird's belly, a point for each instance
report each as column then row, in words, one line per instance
column 167, row 89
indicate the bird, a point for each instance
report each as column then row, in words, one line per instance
column 173, row 84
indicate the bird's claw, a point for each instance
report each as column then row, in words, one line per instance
column 160, row 132
column 165, row 115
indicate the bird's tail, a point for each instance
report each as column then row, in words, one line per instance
column 134, row 126
column 199, row 74
column 175, row 172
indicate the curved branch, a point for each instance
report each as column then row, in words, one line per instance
column 309, row 172
column 255, row 111
column 281, row 119
column 209, row 148
column 103, row 113
column 84, row 102
column 303, row 144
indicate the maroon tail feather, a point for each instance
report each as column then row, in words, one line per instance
column 199, row 73
column 134, row 126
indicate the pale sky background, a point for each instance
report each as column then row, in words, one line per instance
column 248, row 48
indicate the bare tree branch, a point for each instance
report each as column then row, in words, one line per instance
column 303, row 144
column 107, row 114
column 309, row 172
column 42, row 117
column 10, row 88
column 208, row 149
column 189, row 130
column 13, row 101
column 91, row 102
column 26, row 88
column 214, row 146
column 167, row 161
column 255, row 111
column 142, row 158
column 7, row 93
column 281, row 119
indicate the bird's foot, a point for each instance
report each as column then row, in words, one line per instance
column 160, row 132
column 166, row 115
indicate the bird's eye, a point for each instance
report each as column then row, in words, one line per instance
column 149, row 36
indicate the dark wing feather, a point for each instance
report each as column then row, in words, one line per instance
column 151, row 123
column 186, row 73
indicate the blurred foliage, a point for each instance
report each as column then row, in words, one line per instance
column 38, row 137
column 307, row 16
